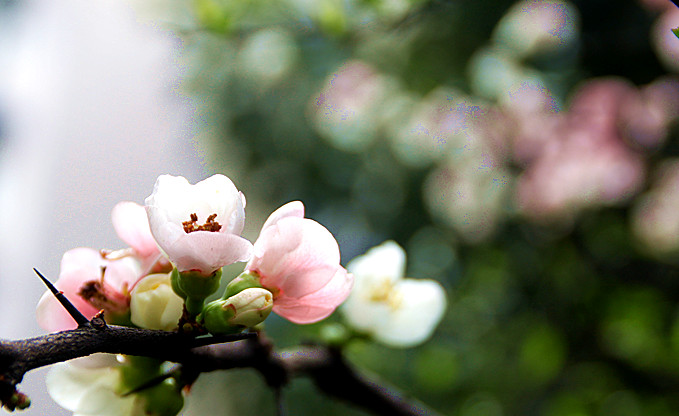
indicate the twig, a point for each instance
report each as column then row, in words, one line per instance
column 324, row 365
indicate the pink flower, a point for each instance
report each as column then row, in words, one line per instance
column 198, row 226
column 91, row 282
column 297, row 259
column 132, row 226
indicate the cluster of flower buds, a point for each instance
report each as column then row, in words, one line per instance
column 178, row 244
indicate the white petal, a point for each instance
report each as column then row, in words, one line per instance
column 384, row 262
column 363, row 314
column 421, row 309
column 88, row 391
column 154, row 305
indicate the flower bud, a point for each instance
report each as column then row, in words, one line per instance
column 245, row 280
column 194, row 287
column 154, row 305
column 163, row 399
column 245, row 309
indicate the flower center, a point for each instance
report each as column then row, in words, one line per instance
column 385, row 292
column 102, row 296
column 210, row 224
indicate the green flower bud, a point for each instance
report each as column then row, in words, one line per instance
column 243, row 281
column 195, row 287
column 163, row 399
column 245, row 309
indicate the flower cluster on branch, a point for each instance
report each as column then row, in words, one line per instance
column 164, row 329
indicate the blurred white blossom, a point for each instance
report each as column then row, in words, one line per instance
column 396, row 311
column 535, row 26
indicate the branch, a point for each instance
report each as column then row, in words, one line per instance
column 325, row 366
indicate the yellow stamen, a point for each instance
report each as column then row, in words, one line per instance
column 210, row 224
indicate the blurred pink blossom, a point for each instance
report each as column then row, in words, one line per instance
column 655, row 218
column 534, row 116
column 344, row 112
column 350, row 90
column 297, row 259
column 175, row 211
column 645, row 116
column 585, row 162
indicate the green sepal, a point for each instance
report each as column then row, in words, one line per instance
column 163, row 399
column 243, row 281
column 194, row 287
column 136, row 371
column 216, row 315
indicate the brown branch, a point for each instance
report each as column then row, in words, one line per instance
column 324, row 365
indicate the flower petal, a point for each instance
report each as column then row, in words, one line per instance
column 413, row 322
column 317, row 305
column 291, row 209
column 296, row 256
column 208, row 251
column 89, row 391
column 77, row 267
column 385, row 262
column 174, row 201
column 132, row 226
column 154, row 305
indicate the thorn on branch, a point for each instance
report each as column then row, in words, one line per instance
column 98, row 321
column 72, row 310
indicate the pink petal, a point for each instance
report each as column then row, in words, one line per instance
column 318, row 305
column 296, row 256
column 291, row 209
column 123, row 274
column 132, row 226
column 208, row 251
column 78, row 266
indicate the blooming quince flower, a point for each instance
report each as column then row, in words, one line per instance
column 94, row 386
column 297, row 259
column 88, row 386
column 153, row 303
column 176, row 210
column 395, row 311
column 91, row 281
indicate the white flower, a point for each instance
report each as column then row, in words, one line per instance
column 154, row 305
column 396, row 311
column 198, row 226
column 88, row 387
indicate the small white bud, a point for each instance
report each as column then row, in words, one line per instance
column 154, row 305
column 251, row 305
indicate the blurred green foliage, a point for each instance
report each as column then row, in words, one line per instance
column 564, row 314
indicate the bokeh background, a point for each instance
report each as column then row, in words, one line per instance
column 524, row 153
